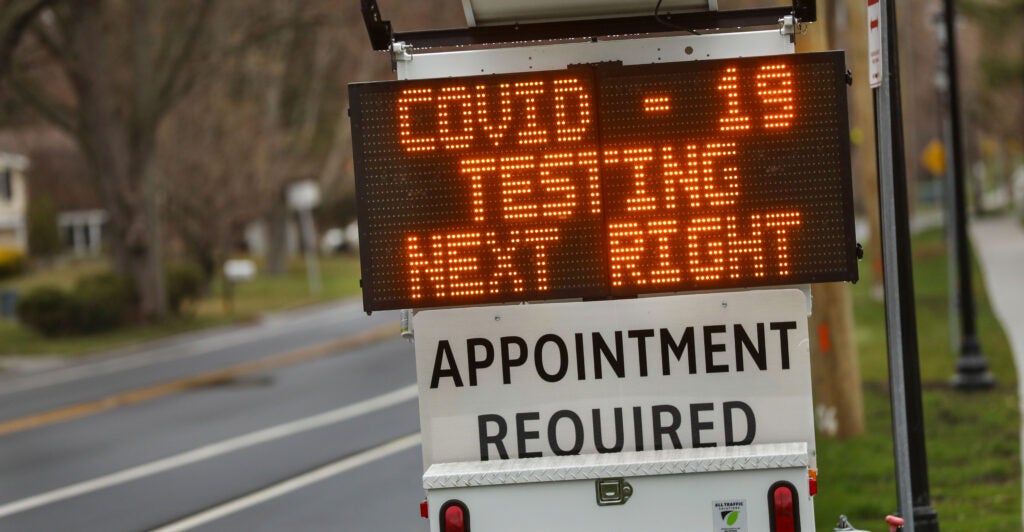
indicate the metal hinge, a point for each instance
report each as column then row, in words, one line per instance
column 405, row 324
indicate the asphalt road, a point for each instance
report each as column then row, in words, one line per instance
column 324, row 436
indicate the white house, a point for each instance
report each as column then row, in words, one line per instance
column 13, row 201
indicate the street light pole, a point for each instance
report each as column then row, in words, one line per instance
column 971, row 366
column 900, row 313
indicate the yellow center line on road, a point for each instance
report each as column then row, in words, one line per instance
column 149, row 393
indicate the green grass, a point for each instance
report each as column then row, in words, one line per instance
column 339, row 275
column 62, row 275
column 265, row 293
column 972, row 439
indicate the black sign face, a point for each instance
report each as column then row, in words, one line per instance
column 603, row 181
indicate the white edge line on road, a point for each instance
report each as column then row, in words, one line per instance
column 212, row 450
column 293, row 484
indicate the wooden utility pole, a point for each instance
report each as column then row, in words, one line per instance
column 838, row 402
column 839, row 405
column 865, row 160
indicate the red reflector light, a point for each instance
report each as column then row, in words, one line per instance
column 424, row 509
column 454, row 520
column 454, row 517
column 783, row 507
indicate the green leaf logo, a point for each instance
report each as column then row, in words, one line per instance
column 732, row 518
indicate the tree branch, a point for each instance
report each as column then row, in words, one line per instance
column 257, row 34
column 15, row 18
column 50, row 43
column 49, row 108
column 174, row 77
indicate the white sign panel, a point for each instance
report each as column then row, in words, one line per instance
column 237, row 270
column 672, row 372
column 303, row 195
column 875, row 43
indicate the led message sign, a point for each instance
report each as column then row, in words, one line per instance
column 603, row 181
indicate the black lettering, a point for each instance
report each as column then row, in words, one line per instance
column 581, row 373
column 616, row 360
column 727, row 409
column 599, row 440
column 783, row 327
column 685, row 343
column 710, row 348
column 507, row 362
column 444, row 353
column 498, row 440
column 641, row 346
column 757, row 353
column 670, row 430
column 638, row 428
column 563, row 358
column 577, row 425
column 696, row 425
column 474, row 363
column 522, row 434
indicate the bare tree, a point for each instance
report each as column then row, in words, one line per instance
column 267, row 107
column 124, row 65
column 273, row 114
column 258, row 124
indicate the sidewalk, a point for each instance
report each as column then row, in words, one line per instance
column 999, row 247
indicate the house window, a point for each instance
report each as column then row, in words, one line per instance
column 6, row 186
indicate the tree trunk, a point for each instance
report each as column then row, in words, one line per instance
column 835, row 371
column 865, row 165
column 122, row 164
column 149, row 276
column 277, row 238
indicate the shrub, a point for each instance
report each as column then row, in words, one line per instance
column 98, row 303
column 12, row 262
column 105, row 301
column 49, row 310
column 185, row 282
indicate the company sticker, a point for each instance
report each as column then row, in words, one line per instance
column 729, row 516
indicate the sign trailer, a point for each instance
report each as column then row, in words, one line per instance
column 529, row 200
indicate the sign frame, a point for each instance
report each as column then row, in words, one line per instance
column 629, row 52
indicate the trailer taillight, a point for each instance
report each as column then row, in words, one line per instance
column 783, row 507
column 454, row 517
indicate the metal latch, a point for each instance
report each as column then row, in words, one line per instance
column 612, row 491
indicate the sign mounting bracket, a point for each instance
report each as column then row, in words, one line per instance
column 381, row 33
column 379, row 30
column 399, row 52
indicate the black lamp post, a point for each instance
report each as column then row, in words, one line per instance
column 971, row 366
